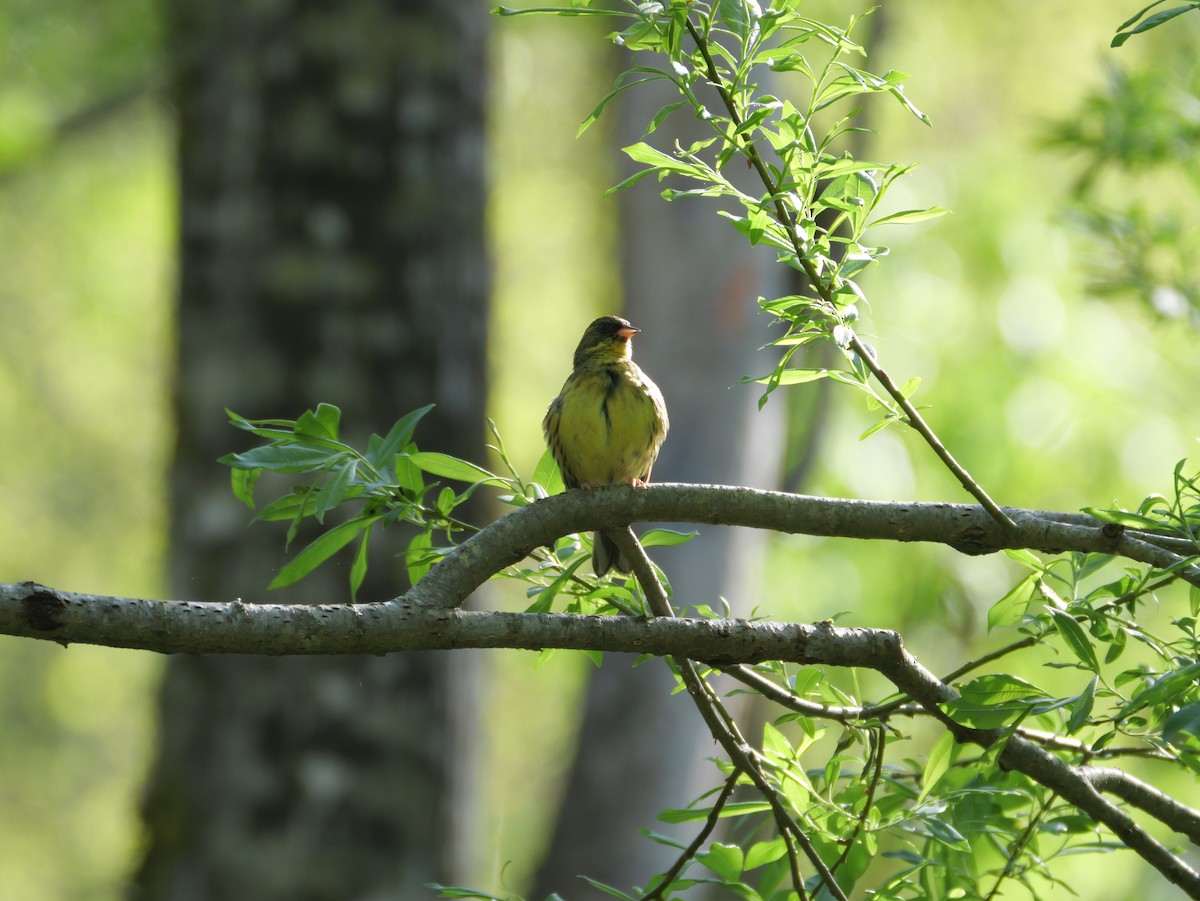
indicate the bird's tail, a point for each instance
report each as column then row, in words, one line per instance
column 606, row 555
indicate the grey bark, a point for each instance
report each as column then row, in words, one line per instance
column 331, row 240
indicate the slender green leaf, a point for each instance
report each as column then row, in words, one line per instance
column 1010, row 609
column 1184, row 721
column 453, row 468
column 992, row 701
column 936, row 765
column 546, row 596
column 559, row 11
column 397, row 437
column 242, row 481
column 286, row 458
column 418, row 558
column 787, row 377
column 907, row 217
column 1076, row 638
column 321, row 550
column 666, row 538
column 1162, row 689
column 1081, row 709
column 336, row 490
column 547, row 475
column 358, row 569
column 692, row 814
column 1152, row 22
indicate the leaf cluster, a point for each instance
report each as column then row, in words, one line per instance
column 393, row 482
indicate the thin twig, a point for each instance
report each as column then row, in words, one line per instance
column 710, row 823
column 869, row 801
column 723, row 728
column 1021, row 843
column 750, row 149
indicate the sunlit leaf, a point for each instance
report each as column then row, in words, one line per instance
column 321, row 550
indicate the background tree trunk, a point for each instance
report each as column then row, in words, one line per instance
column 690, row 284
column 332, row 250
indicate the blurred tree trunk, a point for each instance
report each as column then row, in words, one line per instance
column 690, row 283
column 331, row 230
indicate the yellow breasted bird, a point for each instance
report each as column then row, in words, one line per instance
column 608, row 422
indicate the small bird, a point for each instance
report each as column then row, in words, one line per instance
column 608, row 422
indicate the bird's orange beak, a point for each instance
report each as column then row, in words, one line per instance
column 626, row 333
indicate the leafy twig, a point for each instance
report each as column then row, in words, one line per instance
column 710, row 823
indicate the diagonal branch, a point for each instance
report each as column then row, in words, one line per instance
column 1162, row 807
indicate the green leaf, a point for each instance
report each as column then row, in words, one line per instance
column 336, row 490
column 937, row 765
column 886, row 421
column 642, row 152
column 621, row 85
column 460, row 891
column 546, row 596
column 1010, row 609
column 1124, row 518
column 321, row 423
column 242, row 481
column 741, row 17
column 992, row 701
column 1081, row 710
column 787, row 377
column 397, row 437
column 946, row 834
column 764, row 852
column 453, row 468
column 724, row 860
column 1164, row 688
column 1152, row 22
column 1076, row 638
column 321, row 550
column 408, row 475
column 607, row 889
column 1026, row 558
column 691, row 814
column 1137, row 15
column 358, row 569
column 547, row 475
column 1184, row 721
column 666, row 538
column 418, row 558
column 907, row 217
column 286, row 458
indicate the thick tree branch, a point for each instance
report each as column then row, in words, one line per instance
column 1081, row 786
column 1162, row 807
column 965, row 527
column 191, row 627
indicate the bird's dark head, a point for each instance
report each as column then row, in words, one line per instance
column 606, row 337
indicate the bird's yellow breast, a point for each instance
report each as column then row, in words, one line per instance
column 611, row 423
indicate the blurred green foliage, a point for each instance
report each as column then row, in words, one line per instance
column 86, row 208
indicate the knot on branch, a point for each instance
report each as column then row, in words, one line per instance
column 41, row 607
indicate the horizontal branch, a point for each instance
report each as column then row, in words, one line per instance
column 31, row 610
column 967, row 528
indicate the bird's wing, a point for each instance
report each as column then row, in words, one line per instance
column 550, row 425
